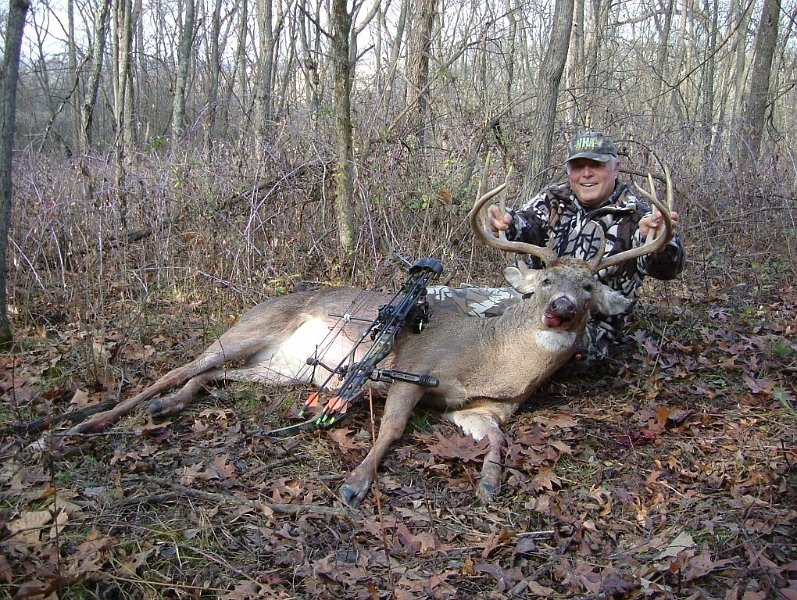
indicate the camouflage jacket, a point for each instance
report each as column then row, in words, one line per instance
column 574, row 234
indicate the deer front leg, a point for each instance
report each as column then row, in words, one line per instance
column 401, row 399
column 479, row 423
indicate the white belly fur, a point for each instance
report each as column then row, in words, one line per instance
column 288, row 360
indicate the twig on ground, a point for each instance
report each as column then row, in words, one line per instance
column 277, row 507
column 39, row 425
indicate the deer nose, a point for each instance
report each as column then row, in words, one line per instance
column 563, row 306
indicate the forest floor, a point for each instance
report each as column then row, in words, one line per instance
column 671, row 473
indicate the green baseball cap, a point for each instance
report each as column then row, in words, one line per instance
column 592, row 145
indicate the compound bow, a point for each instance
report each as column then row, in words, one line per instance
column 408, row 308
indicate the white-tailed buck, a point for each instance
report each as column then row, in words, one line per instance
column 486, row 367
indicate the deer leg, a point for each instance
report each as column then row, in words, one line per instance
column 179, row 400
column 479, row 424
column 224, row 349
column 261, row 373
column 400, row 401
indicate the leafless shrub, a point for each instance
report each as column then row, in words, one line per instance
column 226, row 232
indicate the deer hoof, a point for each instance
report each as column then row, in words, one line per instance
column 354, row 490
column 487, row 492
column 166, row 406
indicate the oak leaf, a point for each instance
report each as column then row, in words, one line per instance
column 546, row 479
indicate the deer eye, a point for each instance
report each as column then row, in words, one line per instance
column 588, row 287
column 545, row 281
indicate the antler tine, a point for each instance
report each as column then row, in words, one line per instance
column 502, row 199
column 480, row 229
column 668, row 197
column 651, row 244
column 483, row 177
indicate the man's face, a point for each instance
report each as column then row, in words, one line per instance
column 592, row 181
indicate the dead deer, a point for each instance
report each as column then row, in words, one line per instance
column 486, row 367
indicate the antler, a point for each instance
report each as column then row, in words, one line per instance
column 483, row 232
column 547, row 255
column 652, row 244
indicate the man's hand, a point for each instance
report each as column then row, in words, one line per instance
column 498, row 219
column 654, row 221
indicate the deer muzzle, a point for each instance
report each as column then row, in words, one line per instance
column 559, row 312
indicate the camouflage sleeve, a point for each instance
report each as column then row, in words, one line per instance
column 667, row 264
column 530, row 223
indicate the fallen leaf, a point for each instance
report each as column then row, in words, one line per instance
column 789, row 593
column 561, row 447
column 497, row 539
column 683, row 541
column 615, row 584
column 345, row 439
column 81, row 399
column 505, row 578
column 535, row 589
column 222, row 467
column 701, row 565
column 28, row 526
column 189, row 473
column 458, row 447
column 137, row 351
column 760, row 386
column 662, row 414
column 132, row 563
column 546, row 479
column 5, row 569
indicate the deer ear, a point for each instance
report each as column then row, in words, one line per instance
column 607, row 301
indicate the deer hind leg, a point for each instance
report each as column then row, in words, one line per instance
column 235, row 344
column 261, row 373
column 480, row 423
column 400, row 401
column 182, row 398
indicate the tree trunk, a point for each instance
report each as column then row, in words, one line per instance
column 240, row 75
column 593, row 43
column 660, row 69
column 74, row 68
column 511, row 51
column 213, row 77
column 740, row 25
column 265, row 72
column 15, row 24
column 574, row 73
column 183, row 68
column 122, row 41
column 710, row 69
column 309, row 35
column 418, row 67
column 344, row 171
column 758, row 96
column 385, row 108
column 550, row 76
column 97, row 53
column 395, row 54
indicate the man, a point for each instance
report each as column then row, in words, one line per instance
column 592, row 197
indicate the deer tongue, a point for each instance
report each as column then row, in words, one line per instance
column 552, row 320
